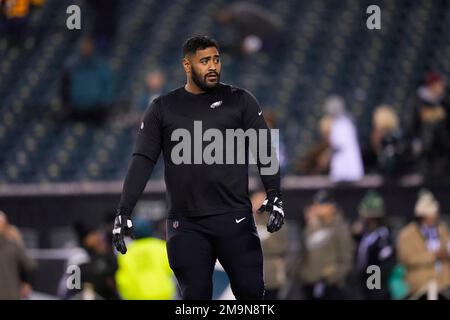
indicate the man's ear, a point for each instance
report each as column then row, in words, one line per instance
column 186, row 65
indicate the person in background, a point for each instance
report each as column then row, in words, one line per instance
column 155, row 82
column 16, row 267
column 430, row 126
column 97, row 266
column 274, row 247
column 327, row 250
column 317, row 158
column 154, row 86
column 346, row 161
column 385, row 150
column 14, row 16
column 375, row 247
column 144, row 272
column 423, row 248
column 250, row 28
column 87, row 86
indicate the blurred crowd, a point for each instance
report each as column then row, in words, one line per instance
column 334, row 258
column 142, row 274
column 362, row 259
column 416, row 143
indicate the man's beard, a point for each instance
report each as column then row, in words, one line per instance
column 201, row 81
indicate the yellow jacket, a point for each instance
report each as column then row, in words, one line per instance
column 144, row 272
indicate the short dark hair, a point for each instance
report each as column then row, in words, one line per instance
column 192, row 44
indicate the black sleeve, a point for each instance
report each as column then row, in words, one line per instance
column 254, row 119
column 149, row 138
column 139, row 172
column 145, row 154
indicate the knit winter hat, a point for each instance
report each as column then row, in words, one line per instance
column 426, row 204
column 372, row 205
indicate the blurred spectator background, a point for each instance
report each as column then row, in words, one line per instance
column 363, row 115
column 249, row 28
column 430, row 126
column 328, row 249
column 345, row 159
column 423, row 248
column 375, row 245
column 14, row 17
column 97, row 265
column 16, row 267
column 87, row 85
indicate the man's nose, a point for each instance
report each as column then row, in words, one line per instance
column 212, row 66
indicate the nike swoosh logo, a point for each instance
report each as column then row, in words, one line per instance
column 259, row 113
column 239, row 220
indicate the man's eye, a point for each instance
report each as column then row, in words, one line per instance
column 216, row 60
column 204, row 62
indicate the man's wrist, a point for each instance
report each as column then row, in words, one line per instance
column 122, row 211
column 273, row 193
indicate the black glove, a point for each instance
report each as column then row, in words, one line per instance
column 122, row 227
column 274, row 206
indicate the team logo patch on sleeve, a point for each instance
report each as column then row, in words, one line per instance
column 216, row 104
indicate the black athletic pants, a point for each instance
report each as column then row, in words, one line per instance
column 194, row 244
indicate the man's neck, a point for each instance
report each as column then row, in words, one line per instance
column 191, row 87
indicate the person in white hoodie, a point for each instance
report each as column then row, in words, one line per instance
column 346, row 162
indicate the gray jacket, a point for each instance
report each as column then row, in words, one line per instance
column 15, row 268
column 328, row 253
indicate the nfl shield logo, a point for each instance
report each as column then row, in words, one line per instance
column 175, row 224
